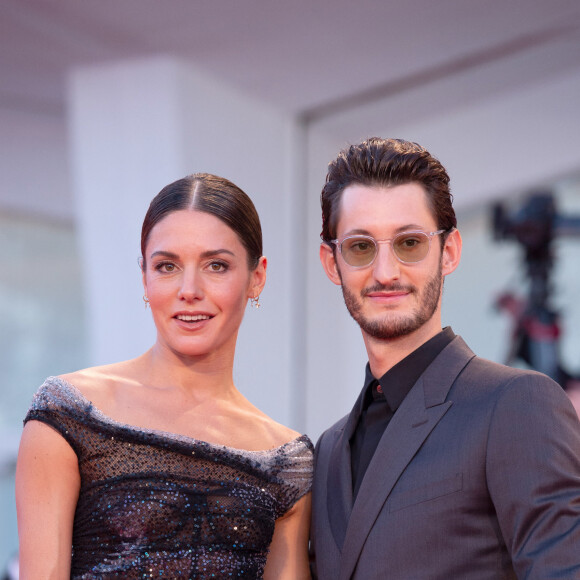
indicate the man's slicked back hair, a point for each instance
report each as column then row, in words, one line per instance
column 380, row 162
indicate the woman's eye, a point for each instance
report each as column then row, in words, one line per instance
column 218, row 267
column 165, row 267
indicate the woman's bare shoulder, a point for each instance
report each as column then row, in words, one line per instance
column 282, row 433
column 99, row 382
column 271, row 433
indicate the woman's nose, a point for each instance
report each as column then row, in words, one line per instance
column 191, row 288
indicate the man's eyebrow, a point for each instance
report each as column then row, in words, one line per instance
column 356, row 231
column 405, row 228
column 412, row 228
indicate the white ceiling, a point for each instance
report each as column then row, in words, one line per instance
column 308, row 57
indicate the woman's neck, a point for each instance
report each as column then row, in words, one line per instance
column 207, row 376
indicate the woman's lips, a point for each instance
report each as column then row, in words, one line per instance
column 192, row 317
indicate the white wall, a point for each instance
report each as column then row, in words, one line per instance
column 34, row 169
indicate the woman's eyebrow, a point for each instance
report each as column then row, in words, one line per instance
column 164, row 254
column 211, row 253
column 206, row 254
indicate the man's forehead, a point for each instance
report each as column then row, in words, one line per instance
column 386, row 189
column 399, row 207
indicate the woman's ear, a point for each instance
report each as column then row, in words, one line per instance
column 143, row 277
column 451, row 252
column 328, row 260
column 258, row 278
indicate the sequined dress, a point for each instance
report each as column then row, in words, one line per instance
column 158, row 505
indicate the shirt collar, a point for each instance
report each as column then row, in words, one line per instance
column 399, row 380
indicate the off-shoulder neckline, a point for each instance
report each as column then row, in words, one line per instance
column 104, row 418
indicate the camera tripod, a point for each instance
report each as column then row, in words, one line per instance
column 536, row 329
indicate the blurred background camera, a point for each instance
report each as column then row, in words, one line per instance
column 534, row 225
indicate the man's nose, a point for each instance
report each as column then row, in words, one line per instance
column 386, row 266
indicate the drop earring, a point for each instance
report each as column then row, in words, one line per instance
column 146, row 300
column 255, row 301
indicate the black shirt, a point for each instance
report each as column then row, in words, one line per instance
column 383, row 397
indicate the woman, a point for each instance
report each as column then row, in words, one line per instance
column 158, row 467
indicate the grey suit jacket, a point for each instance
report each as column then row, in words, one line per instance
column 477, row 476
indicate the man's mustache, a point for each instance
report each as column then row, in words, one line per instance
column 395, row 287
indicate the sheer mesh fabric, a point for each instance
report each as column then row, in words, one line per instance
column 159, row 505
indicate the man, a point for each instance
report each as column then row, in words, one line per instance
column 448, row 466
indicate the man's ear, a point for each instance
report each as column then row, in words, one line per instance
column 451, row 252
column 329, row 263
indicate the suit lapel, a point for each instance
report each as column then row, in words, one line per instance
column 417, row 416
column 339, row 483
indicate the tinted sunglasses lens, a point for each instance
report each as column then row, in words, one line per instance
column 358, row 251
column 412, row 247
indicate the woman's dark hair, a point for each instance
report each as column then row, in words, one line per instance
column 210, row 194
column 385, row 163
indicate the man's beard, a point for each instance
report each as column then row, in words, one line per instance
column 397, row 324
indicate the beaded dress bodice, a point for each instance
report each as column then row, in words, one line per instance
column 159, row 505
